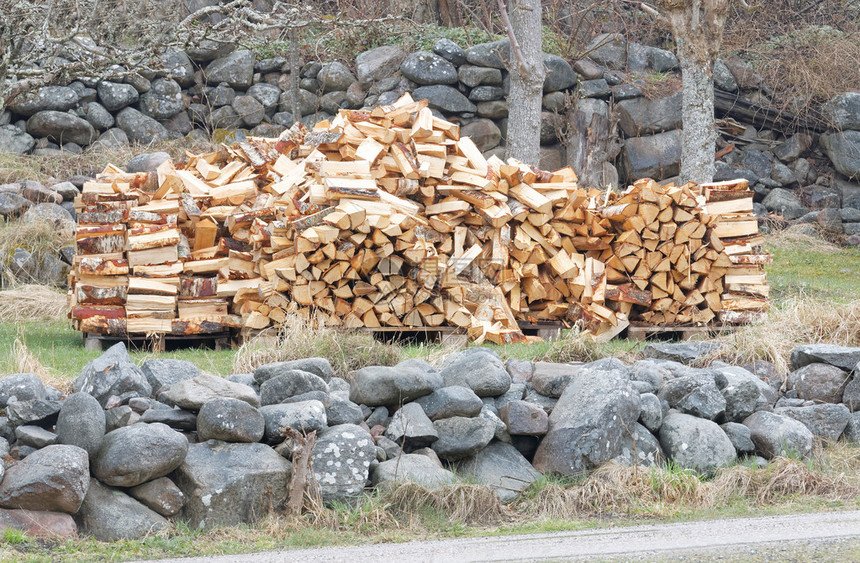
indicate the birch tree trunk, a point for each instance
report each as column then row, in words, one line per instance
column 527, row 76
column 697, row 26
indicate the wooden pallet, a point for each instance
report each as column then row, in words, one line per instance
column 159, row 342
column 644, row 332
column 544, row 330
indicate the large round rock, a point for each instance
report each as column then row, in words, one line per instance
column 341, row 461
column 54, row 478
column 479, row 369
column 81, row 423
column 230, row 420
column 588, row 424
column 775, row 435
column 134, row 454
column 380, row 385
column 289, row 384
column 696, row 443
column 819, row 382
column 109, row 515
column 427, row 68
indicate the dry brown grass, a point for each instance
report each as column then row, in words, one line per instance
column 39, row 238
column 574, row 346
column 347, row 351
column 24, row 361
column 616, row 490
column 50, row 169
column 796, row 237
column 790, row 323
column 471, row 504
column 28, row 303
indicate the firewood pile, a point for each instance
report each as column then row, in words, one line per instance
column 388, row 218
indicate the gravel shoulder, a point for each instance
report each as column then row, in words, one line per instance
column 799, row 536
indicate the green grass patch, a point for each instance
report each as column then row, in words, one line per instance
column 820, row 272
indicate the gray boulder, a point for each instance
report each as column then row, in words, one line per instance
column 551, row 379
column 411, row 468
column 682, row 352
column 163, row 100
column 723, row 78
column 46, row 98
column 483, row 132
column 134, row 454
column 444, row 98
column 267, row 94
column 843, row 111
column 588, row 424
column 479, row 369
column 317, row 366
column 226, row 484
column 230, row 420
column 495, row 54
column 15, row 141
column 110, row 515
column 559, row 74
column 446, row 402
column 843, row 149
column 288, row 384
column 461, row 437
column 164, row 372
column 54, row 478
column 819, row 382
column 473, row 76
column 341, row 462
column 654, row 156
column 450, row 51
column 178, row 66
column 826, row 421
column 51, row 213
column 378, row 63
column 852, row 430
column 20, row 387
column 113, row 374
column 524, row 418
column 740, row 391
column 381, row 385
column 81, row 423
column 639, row 447
column 422, row 67
column 34, row 436
column 249, row 110
column 739, row 436
column 178, row 419
column 696, row 394
column 843, row 357
column 335, row 77
column 161, row 495
column 35, row 411
column 304, row 416
column 140, row 128
column 193, row 393
column 61, row 127
column 343, row 411
column 235, row 69
column 115, row 96
column 410, row 428
column 643, row 116
column 651, row 411
column 696, row 443
column 502, row 468
column 851, row 396
column 774, row 435
column 784, row 202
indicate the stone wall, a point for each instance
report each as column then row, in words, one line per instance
column 138, row 446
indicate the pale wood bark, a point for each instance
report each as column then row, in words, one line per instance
column 527, row 76
column 697, row 26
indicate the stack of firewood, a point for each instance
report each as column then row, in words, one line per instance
column 388, row 218
column 745, row 288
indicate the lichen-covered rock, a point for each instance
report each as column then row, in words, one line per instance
column 54, row 478
column 108, row 514
column 230, row 420
column 696, row 443
column 341, row 461
column 113, row 374
column 134, row 454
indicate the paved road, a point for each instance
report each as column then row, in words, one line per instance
column 650, row 541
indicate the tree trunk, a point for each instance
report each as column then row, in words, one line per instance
column 527, row 77
column 699, row 136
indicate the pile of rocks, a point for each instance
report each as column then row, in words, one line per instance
column 138, row 445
